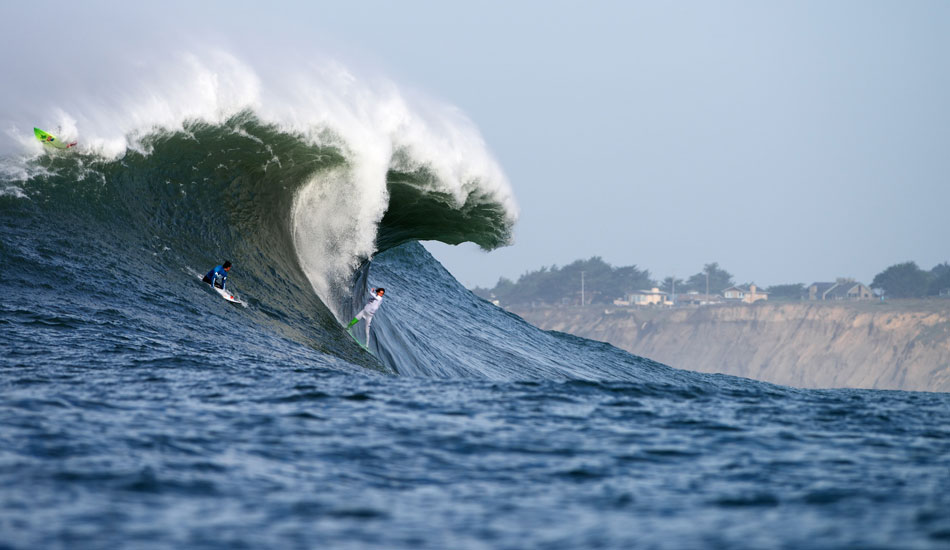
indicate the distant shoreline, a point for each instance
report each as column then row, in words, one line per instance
column 895, row 344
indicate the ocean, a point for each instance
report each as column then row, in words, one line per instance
column 140, row 410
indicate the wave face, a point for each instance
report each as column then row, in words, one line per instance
column 436, row 327
column 136, row 405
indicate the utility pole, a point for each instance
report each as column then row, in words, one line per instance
column 673, row 290
column 707, row 285
column 582, row 288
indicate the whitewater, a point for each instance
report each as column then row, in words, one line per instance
column 138, row 409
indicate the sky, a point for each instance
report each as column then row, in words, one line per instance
column 789, row 142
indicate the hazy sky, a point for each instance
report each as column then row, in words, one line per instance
column 789, row 142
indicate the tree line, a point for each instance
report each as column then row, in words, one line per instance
column 603, row 283
column 907, row 280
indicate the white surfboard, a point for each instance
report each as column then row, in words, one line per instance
column 224, row 294
column 228, row 296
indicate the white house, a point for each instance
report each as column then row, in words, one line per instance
column 747, row 295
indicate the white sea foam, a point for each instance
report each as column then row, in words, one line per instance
column 12, row 191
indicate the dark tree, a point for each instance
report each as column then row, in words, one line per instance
column 502, row 290
column 719, row 279
column 940, row 279
column 630, row 279
column 667, row 285
column 904, row 280
column 484, row 293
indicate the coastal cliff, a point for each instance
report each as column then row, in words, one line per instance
column 894, row 345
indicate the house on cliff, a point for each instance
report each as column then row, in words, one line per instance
column 652, row 297
column 746, row 295
column 842, row 289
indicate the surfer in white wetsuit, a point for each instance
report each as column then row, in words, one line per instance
column 369, row 310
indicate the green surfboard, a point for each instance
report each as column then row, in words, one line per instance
column 362, row 345
column 50, row 140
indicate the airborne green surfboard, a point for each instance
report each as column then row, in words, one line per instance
column 51, row 140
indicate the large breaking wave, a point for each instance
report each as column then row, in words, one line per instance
column 313, row 200
column 348, row 153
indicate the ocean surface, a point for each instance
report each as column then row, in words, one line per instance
column 139, row 410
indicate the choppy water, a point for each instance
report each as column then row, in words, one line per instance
column 196, row 451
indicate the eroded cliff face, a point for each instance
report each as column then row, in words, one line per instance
column 898, row 346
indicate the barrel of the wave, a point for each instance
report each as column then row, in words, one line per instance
column 52, row 141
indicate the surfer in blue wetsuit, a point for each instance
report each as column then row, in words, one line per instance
column 219, row 275
column 369, row 310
